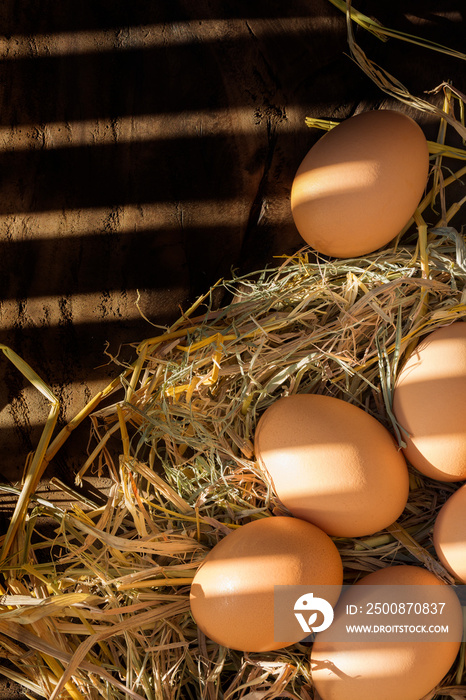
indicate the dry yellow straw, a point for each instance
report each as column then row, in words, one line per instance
column 102, row 595
column 37, row 465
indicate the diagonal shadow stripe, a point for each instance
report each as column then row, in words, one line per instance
column 51, row 16
column 168, row 79
column 115, row 174
column 144, row 260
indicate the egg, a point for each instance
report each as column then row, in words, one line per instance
column 333, row 464
column 375, row 669
column 232, row 594
column 360, row 183
column 429, row 403
column 450, row 534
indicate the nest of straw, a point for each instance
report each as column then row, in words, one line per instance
column 100, row 607
column 97, row 605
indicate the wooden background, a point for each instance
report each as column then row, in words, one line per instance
column 148, row 148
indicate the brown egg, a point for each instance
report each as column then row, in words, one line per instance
column 333, row 464
column 450, row 534
column 375, row 669
column 360, row 183
column 232, row 594
column 429, row 402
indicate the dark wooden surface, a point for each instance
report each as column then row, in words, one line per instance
column 150, row 147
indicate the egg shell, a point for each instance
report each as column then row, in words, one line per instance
column 392, row 670
column 232, row 594
column 450, row 534
column 429, row 402
column 360, row 183
column 333, row 464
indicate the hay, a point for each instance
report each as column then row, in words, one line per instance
column 97, row 603
column 107, row 612
column 387, row 82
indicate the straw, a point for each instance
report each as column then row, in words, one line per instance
column 387, row 82
column 384, row 33
column 113, row 589
column 94, row 600
column 37, row 465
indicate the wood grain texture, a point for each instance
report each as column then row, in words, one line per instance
column 148, row 149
